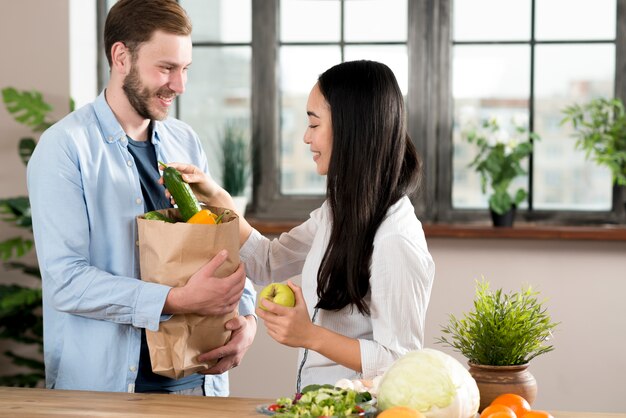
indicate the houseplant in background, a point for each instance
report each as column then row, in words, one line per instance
column 500, row 337
column 600, row 131
column 499, row 162
column 20, row 305
column 235, row 163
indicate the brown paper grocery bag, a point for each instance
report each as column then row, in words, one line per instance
column 170, row 253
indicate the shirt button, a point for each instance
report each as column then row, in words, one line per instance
column 129, row 163
column 133, row 369
column 138, row 201
column 137, row 243
column 110, row 139
column 123, row 139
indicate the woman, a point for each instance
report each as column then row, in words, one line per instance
column 366, row 270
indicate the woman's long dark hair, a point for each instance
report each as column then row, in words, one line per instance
column 373, row 164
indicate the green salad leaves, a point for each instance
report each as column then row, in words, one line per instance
column 321, row 400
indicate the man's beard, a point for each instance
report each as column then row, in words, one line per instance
column 139, row 96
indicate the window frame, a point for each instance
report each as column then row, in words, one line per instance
column 429, row 117
column 268, row 202
column 447, row 213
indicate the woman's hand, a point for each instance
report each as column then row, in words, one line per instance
column 292, row 327
column 289, row 326
column 203, row 186
column 209, row 192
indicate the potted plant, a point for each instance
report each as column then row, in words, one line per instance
column 499, row 162
column 500, row 337
column 235, row 164
column 20, row 305
column 600, row 131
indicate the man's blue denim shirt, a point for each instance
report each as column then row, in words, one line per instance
column 85, row 195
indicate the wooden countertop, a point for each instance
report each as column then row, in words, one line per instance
column 37, row 403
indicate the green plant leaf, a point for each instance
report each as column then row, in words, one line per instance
column 29, row 380
column 16, row 210
column 31, row 270
column 15, row 247
column 502, row 329
column 25, row 361
column 26, row 148
column 499, row 163
column 27, row 108
column 600, row 132
column 20, row 306
column 15, row 297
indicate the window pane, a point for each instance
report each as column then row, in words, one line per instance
column 485, row 71
column 220, row 20
column 300, row 67
column 567, row 74
column 394, row 56
column 584, row 19
column 214, row 97
column 376, row 20
column 310, row 20
column 491, row 20
column 488, row 81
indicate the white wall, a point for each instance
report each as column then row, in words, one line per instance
column 35, row 56
column 83, row 74
column 36, row 52
column 583, row 281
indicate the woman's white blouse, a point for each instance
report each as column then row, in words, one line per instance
column 402, row 273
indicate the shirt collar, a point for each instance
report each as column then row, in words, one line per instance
column 157, row 128
column 110, row 126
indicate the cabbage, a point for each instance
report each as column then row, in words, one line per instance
column 431, row 382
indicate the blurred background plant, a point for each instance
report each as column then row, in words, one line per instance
column 600, row 131
column 235, row 159
column 499, row 161
column 20, row 306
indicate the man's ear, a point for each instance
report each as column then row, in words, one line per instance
column 120, row 58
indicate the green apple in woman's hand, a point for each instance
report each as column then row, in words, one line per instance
column 278, row 293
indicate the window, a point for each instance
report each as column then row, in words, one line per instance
column 526, row 61
column 256, row 61
column 219, row 83
column 351, row 30
column 305, row 48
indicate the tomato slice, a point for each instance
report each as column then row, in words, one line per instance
column 273, row 407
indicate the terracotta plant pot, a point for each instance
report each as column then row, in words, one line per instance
column 496, row 380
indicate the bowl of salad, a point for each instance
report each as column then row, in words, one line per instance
column 322, row 401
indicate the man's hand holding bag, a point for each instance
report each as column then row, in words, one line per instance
column 187, row 257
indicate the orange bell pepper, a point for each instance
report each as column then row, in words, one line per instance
column 204, row 216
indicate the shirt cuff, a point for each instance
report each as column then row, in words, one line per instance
column 375, row 360
column 248, row 300
column 149, row 305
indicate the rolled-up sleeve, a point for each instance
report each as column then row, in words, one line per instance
column 401, row 280
column 279, row 259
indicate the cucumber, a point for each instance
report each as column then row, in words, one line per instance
column 158, row 216
column 186, row 201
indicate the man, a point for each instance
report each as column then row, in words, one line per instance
column 91, row 174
